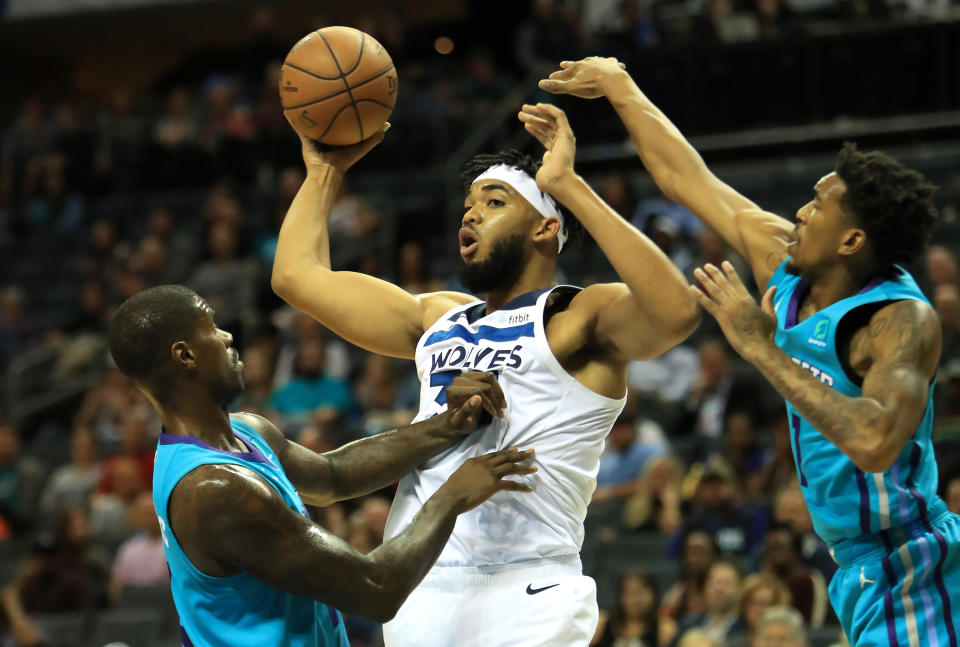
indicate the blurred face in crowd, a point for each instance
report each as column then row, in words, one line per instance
column 637, row 597
column 941, row 266
column 126, row 479
column 777, row 634
column 713, row 362
column 622, row 435
column 83, row 447
column 791, row 509
column 698, row 552
column 143, row 516
column 9, row 444
column 946, row 299
column 756, row 603
column 223, row 242
column 720, row 589
column 310, row 358
column 781, row 553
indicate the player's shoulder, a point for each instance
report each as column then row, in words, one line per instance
column 596, row 296
column 906, row 330
column 435, row 304
column 203, row 491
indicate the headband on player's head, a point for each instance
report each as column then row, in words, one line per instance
column 526, row 186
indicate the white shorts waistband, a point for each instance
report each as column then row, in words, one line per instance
column 457, row 578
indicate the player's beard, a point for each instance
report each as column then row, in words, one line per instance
column 500, row 269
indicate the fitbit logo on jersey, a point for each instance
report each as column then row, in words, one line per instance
column 821, row 375
column 481, row 358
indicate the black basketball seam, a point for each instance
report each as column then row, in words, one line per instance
column 314, row 75
column 379, row 103
column 332, row 120
column 339, row 92
column 363, row 39
column 346, row 85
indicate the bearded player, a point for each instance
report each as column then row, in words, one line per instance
column 511, row 573
column 847, row 337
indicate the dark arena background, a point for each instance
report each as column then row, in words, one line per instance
column 143, row 143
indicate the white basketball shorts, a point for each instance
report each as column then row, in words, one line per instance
column 526, row 604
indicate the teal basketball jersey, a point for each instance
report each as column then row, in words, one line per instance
column 237, row 610
column 844, row 501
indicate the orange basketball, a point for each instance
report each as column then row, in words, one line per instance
column 338, row 86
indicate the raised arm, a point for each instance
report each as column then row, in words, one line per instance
column 367, row 465
column 371, row 313
column 259, row 534
column 679, row 171
column 651, row 311
column 902, row 341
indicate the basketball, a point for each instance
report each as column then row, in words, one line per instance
column 338, row 86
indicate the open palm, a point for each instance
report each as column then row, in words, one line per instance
column 550, row 126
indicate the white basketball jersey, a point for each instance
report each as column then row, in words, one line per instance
column 547, row 410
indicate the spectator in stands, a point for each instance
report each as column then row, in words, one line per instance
column 140, row 560
column 311, row 395
column 28, row 136
column 776, row 20
column 46, row 583
column 137, row 445
column 15, row 329
column 790, row 510
column 718, row 509
column 782, row 559
column 719, row 618
column 226, row 280
column 288, row 183
column 177, row 127
column 180, row 245
column 725, row 23
column 21, row 478
column 655, row 505
column 941, row 266
column 952, row 489
column 109, row 512
column 257, row 380
column 634, row 618
column 946, row 300
column 298, row 328
column 71, row 484
column 698, row 638
column 387, row 395
column 105, row 255
column 81, row 341
column 743, row 452
column 106, row 405
column 151, row 261
column 81, row 552
column 19, row 629
column 781, row 627
column 758, row 592
column 667, row 379
column 54, row 206
column 779, row 469
column 120, row 133
column 686, row 596
column 412, row 271
column 623, row 460
column 551, row 34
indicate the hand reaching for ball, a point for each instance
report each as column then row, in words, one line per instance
column 317, row 156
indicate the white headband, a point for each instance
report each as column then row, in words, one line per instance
column 526, row 186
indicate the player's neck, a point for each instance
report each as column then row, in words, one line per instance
column 836, row 284
column 538, row 273
column 200, row 418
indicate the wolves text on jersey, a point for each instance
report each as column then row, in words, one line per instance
column 480, row 358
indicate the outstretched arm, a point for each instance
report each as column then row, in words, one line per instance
column 259, row 534
column 903, row 340
column 651, row 311
column 371, row 313
column 679, row 171
column 367, row 465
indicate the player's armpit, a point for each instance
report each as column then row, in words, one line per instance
column 230, row 520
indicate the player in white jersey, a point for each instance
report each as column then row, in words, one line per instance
column 510, row 574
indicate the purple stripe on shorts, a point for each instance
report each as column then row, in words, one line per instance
column 888, row 602
column 928, row 611
column 942, row 590
column 864, row 503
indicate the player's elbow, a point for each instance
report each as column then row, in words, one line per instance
column 687, row 319
column 873, row 456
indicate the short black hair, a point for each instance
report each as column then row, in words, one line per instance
column 529, row 165
column 893, row 204
column 145, row 326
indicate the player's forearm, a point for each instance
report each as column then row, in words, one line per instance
column 402, row 562
column 367, row 465
column 859, row 427
column 656, row 284
column 304, row 237
column 665, row 152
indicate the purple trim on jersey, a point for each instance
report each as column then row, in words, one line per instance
column 254, row 454
column 872, row 284
column 184, row 638
column 888, row 601
column 942, row 590
column 334, row 616
column 864, row 502
column 793, row 307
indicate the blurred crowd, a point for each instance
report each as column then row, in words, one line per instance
column 698, row 534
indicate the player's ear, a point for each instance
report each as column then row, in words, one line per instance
column 853, row 241
column 183, row 355
column 547, row 229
